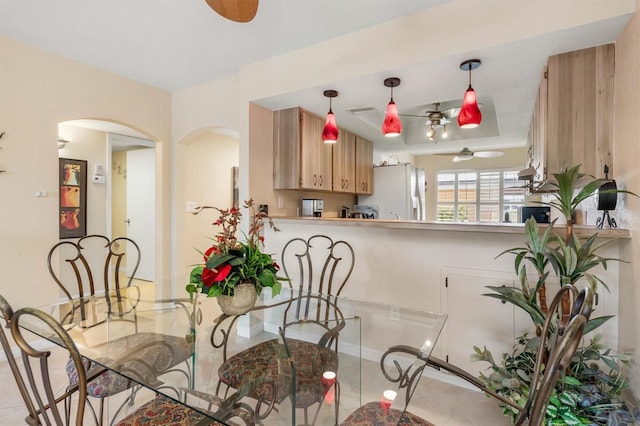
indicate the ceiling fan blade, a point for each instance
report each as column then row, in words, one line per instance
column 235, row 10
column 459, row 158
column 488, row 154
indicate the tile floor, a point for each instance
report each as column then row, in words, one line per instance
column 439, row 402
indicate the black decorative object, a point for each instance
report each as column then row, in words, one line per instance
column 606, row 198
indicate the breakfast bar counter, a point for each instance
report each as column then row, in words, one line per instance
column 582, row 231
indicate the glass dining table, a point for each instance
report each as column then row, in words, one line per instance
column 171, row 348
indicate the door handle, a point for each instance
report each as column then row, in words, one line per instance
column 128, row 221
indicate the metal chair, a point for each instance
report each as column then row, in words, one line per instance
column 89, row 269
column 318, row 269
column 557, row 345
column 35, row 384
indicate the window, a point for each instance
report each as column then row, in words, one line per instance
column 479, row 196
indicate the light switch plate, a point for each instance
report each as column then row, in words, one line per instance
column 190, row 205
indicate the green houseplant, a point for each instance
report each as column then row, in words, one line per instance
column 230, row 266
column 590, row 391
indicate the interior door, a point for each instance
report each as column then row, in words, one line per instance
column 140, row 220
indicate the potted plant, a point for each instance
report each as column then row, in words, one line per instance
column 235, row 271
column 590, row 391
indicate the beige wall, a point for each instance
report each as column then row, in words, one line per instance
column 118, row 193
column 209, row 157
column 38, row 90
column 432, row 164
column 626, row 158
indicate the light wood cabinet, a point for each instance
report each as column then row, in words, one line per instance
column 579, row 110
column 536, row 155
column 364, row 166
column 301, row 159
column 344, row 162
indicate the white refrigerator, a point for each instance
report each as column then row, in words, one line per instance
column 398, row 192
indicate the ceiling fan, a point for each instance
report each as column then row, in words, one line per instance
column 235, row 10
column 466, row 154
column 436, row 119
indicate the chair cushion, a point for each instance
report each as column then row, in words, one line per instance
column 374, row 414
column 159, row 351
column 261, row 361
column 164, row 411
column 106, row 384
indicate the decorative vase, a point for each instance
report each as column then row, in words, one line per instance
column 243, row 299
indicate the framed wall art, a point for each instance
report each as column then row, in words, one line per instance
column 73, row 198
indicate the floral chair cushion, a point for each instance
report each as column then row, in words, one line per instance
column 164, row 411
column 260, row 362
column 374, row 414
column 146, row 355
column 106, row 384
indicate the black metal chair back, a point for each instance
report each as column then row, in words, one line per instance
column 558, row 343
column 93, row 266
column 318, row 269
column 32, row 374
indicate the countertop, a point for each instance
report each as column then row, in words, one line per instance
column 582, row 231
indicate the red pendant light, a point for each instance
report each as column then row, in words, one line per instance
column 392, row 126
column 470, row 115
column 330, row 131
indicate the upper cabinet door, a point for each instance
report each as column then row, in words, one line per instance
column 301, row 160
column 580, row 110
column 364, row 166
column 316, row 156
column 286, row 149
column 344, row 163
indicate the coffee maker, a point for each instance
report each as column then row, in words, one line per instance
column 312, row 207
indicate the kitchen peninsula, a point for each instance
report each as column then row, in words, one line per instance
column 444, row 267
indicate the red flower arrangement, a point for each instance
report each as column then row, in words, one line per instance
column 229, row 262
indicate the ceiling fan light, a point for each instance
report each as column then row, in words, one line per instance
column 330, row 130
column 430, row 132
column 444, row 133
column 392, row 126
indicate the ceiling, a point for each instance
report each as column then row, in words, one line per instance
column 173, row 44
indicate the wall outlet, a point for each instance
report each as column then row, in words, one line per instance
column 394, row 313
column 280, row 203
column 41, row 194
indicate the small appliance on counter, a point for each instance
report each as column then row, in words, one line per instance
column 312, row 207
column 362, row 211
column 540, row 214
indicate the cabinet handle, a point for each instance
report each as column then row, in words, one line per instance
column 346, row 183
column 315, row 180
column 321, row 180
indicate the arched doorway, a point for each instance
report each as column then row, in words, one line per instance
column 113, row 153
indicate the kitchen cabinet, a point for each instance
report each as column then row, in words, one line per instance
column 344, row 162
column 301, row 159
column 537, row 137
column 573, row 120
column 477, row 320
column 364, row 166
column 474, row 319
